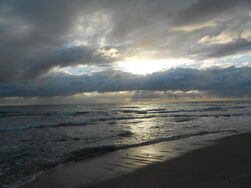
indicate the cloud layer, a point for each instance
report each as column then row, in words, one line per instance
column 41, row 39
column 37, row 37
column 229, row 82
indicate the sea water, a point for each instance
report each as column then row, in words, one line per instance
column 36, row 138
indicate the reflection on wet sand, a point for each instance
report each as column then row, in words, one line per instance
column 116, row 163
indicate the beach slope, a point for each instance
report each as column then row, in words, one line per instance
column 227, row 163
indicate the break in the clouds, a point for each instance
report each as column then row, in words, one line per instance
column 39, row 39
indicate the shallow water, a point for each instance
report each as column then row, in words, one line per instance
column 35, row 138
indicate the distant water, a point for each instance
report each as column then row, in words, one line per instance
column 35, row 138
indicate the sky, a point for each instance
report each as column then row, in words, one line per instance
column 88, row 51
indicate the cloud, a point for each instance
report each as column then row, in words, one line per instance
column 246, row 35
column 240, row 46
column 35, row 65
column 223, row 38
column 37, row 37
column 189, row 28
column 207, row 10
column 166, row 95
column 228, row 82
column 113, row 52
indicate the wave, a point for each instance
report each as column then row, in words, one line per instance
column 23, row 114
column 183, row 119
column 94, row 151
column 239, row 107
column 193, row 110
column 126, row 110
column 163, row 110
column 129, row 107
column 18, row 114
column 67, row 124
column 80, row 113
column 5, row 112
column 196, row 116
column 134, row 111
column 125, row 118
column 156, row 109
column 125, row 134
column 177, row 118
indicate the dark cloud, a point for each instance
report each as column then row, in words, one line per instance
column 38, row 64
column 215, row 51
column 38, row 36
column 206, row 10
column 35, row 37
column 229, row 82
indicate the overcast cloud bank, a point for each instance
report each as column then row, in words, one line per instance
column 229, row 82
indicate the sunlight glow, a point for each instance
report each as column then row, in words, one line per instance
column 143, row 66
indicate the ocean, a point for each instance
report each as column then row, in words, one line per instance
column 36, row 138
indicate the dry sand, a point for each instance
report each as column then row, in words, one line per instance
column 226, row 163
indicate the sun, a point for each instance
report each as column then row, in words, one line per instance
column 144, row 66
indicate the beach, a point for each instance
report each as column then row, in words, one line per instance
column 225, row 162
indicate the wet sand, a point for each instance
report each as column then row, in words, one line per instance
column 225, row 163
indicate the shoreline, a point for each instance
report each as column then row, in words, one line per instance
column 119, row 165
column 224, row 164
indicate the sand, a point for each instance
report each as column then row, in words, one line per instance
column 225, row 163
